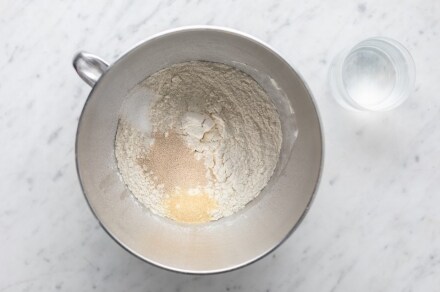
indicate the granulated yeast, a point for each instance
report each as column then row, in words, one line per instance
column 175, row 169
column 214, row 145
column 173, row 165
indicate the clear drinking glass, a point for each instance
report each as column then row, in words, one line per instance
column 377, row 74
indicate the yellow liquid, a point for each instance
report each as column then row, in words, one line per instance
column 190, row 208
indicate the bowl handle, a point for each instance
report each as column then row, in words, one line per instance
column 89, row 67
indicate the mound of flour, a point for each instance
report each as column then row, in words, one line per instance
column 226, row 121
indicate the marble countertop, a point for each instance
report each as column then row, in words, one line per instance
column 375, row 223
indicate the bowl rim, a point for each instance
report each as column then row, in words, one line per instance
column 321, row 138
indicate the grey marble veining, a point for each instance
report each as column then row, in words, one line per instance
column 374, row 225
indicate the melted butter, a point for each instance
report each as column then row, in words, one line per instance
column 190, row 208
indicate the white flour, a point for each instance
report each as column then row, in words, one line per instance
column 228, row 122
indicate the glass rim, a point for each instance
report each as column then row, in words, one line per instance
column 384, row 45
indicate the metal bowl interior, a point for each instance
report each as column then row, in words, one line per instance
column 231, row 242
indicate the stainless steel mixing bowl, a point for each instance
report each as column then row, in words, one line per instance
column 228, row 243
